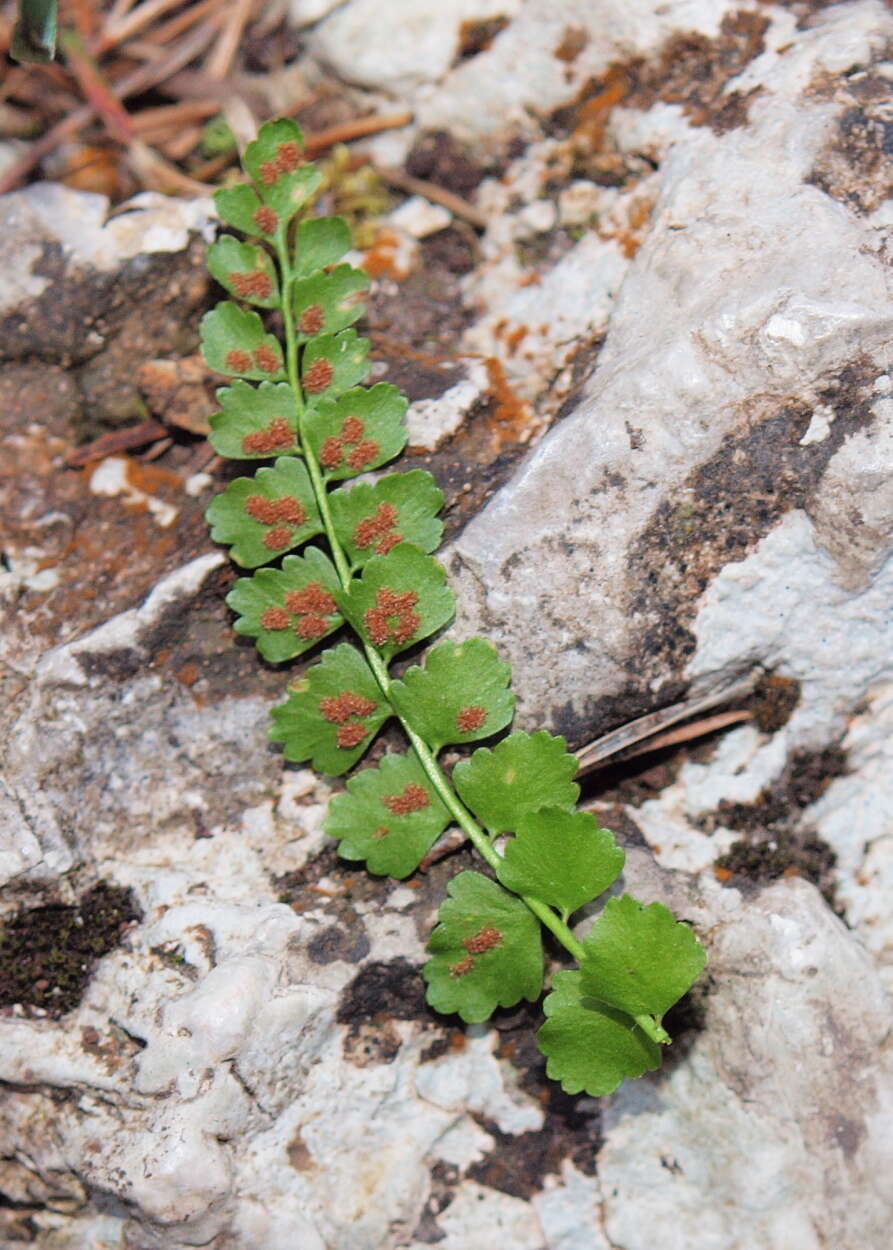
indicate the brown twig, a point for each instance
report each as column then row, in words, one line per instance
column 685, row 733
column 175, row 26
column 138, row 19
column 116, row 441
column 358, row 128
column 645, row 727
column 173, row 116
column 160, row 175
column 95, row 89
column 642, row 731
column 220, row 61
column 437, row 195
column 141, row 79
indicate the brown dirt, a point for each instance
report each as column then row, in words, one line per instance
column 48, row 953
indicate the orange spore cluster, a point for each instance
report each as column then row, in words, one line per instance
column 343, row 710
column 311, row 606
column 485, row 940
column 312, row 598
column 470, row 718
column 253, row 283
column 277, row 436
column 350, row 736
column 265, row 358
column 312, row 319
column 378, row 529
column 275, row 618
column 238, row 361
column 318, row 376
column 462, row 967
column 361, row 455
column 278, row 537
column 392, row 618
column 266, row 219
column 352, row 430
column 340, row 708
column 412, row 799
column 271, row 511
column 311, row 626
column 287, row 159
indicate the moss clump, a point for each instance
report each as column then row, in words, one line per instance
column 48, row 953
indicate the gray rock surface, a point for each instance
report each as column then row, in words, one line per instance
column 250, row 1064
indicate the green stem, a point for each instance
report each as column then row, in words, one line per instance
column 426, row 757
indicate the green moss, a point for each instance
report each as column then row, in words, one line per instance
column 48, row 953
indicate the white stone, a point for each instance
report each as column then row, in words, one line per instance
column 419, row 217
column 389, row 44
column 81, row 225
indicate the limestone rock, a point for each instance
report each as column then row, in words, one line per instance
column 253, row 1064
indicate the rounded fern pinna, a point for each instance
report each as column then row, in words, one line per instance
column 329, row 558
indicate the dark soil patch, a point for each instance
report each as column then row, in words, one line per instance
column 438, row 157
column 726, row 506
column 572, row 1125
column 774, row 843
column 476, row 36
column 856, row 164
column 690, row 70
column 773, row 701
column 48, row 953
column 391, row 988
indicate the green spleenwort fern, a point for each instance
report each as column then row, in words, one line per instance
column 299, row 404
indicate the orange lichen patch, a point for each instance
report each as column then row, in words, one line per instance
column 513, row 339
column 265, row 358
column 188, row 675
column 340, row 708
column 593, row 116
column 573, row 40
column 238, row 361
column 350, row 736
column 723, row 875
column 254, row 283
column 387, row 258
column 414, row 798
column 278, row 537
column 312, row 598
column 470, row 718
column 511, row 419
column 378, row 529
column 352, row 430
column 318, row 376
column 270, row 511
column 363, row 454
column 485, row 940
column 275, row 618
column 630, row 237
column 266, row 219
column 277, row 436
column 392, row 617
column 312, row 319
column 462, row 967
column 311, row 626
